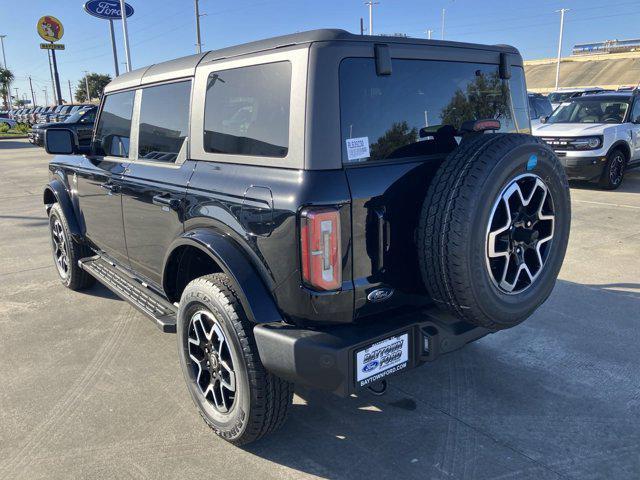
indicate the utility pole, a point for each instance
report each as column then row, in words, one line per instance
column 70, row 94
column 4, row 58
column 429, row 32
column 46, row 97
column 86, row 84
column 125, row 33
column 361, row 26
column 4, row 65
column 444, row 12
column 198, row 40
column 33, row 97
column 371, row 3
column 562, row 12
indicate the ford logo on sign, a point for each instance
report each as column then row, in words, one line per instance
column 372, row 365
column 380, row 295
column 107, row 9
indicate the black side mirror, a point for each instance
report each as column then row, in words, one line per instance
column 60, row 141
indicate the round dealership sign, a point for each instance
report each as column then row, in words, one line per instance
column 107, row 9
column 50, row 28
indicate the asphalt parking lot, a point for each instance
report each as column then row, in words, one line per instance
column 89, row 388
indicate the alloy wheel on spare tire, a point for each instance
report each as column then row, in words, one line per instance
column 237, row 398
column 494, row 229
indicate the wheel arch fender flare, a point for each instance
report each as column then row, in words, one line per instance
column 623, row 145
column 55, row 190
column 256, row 299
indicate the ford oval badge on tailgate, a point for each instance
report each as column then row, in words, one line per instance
column 380, row 295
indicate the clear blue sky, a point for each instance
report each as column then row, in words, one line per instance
column 161, row 30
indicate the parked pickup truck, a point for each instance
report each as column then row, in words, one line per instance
column 320, row 208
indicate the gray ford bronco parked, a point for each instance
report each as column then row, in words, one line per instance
column 320, row 208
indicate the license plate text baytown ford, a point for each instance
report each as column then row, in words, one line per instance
column 381, row 359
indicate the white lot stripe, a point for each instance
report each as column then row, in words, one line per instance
column 635, row 207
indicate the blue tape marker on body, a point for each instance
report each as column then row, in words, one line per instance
column 533, row 161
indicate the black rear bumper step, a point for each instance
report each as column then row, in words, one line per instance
column 144, row 299
column 324, row 358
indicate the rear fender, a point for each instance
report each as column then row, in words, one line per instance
column 256, row 298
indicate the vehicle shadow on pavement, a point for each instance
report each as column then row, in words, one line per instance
column 27, row 221
column 557, row 396
column 99, row 290
column 631, row 183
column 7, row 144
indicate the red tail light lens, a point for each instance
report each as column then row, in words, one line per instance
column 320, row 248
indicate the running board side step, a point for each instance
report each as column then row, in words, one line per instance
column 161, row 311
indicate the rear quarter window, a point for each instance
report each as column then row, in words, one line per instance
column 416, row 110
column 247, row 110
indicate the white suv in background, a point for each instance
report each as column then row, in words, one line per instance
column 597, row 137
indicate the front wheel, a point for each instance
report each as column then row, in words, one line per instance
column 66, row 252
column 613, row 173
column 235, row 395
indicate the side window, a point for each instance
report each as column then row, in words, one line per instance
column 532, row 109
column 164, row 121
column 635, row 113
column 247, row 111
column 543, row 107
column 114, row 126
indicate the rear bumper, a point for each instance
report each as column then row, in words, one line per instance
column 325, row 358
column 583, row 168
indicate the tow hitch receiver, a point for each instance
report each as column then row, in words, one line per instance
column 346, row 358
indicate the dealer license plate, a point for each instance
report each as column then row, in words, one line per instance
column 381, row 359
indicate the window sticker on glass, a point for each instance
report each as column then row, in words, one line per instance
column 357, row 148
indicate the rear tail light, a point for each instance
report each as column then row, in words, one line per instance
column 320, row 248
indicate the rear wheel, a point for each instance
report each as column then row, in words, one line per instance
column 494, row 229
column 613, row 173
column 235, row 395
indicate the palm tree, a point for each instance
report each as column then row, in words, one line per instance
column 6, row 77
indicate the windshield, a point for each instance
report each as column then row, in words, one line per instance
column 590, row 111
column 75, row 117
column 560, row 97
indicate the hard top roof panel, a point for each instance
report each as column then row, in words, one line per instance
column 185, row 66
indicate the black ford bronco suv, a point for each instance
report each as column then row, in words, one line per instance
column 319, row 208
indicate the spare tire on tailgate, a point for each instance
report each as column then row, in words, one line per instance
column 494, row 229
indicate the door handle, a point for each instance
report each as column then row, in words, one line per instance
column 110, row 187
column 166, row 201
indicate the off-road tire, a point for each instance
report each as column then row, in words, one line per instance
column 76, row 278
column 263, row 399
column 451, row 237
column 613, row 158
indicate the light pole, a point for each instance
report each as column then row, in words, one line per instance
column 125, row 33
column 371, row 4
column 86, row 84
column 4, row 65
column 198, row 40
column 429, row 32
column 562, row 12
column 70, row 94
column 444, row 11
column 46, row 97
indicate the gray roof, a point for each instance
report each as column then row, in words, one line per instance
column 185, row 66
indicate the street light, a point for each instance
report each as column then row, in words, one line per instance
column 562, row 12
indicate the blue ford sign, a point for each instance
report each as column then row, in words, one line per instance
column 107, row 9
